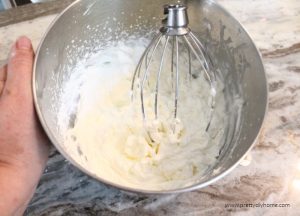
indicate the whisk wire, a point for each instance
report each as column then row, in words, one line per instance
column 200, row 48
column 158, row 75
column 172, row 61
column 190, row 63
column 211, row 79
column 199, row 59
column 189, row 74
column 145, row 76
column 203, row 50
column 138, row 68
column 177, row 77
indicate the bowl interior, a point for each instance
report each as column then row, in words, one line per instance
column 81, row 29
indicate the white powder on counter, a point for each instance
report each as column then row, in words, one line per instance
column 105, row 132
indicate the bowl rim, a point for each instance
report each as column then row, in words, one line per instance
column 136, row 190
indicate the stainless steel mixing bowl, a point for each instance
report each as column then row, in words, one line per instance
column 87, row 24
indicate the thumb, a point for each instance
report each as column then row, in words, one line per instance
column 19, row 69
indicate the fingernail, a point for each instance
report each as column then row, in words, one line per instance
column 23, row 43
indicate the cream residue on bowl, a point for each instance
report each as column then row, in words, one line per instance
column 105, row 132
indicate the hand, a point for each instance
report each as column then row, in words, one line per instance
column 24, row 147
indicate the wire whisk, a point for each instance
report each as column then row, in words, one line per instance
column 175, row 31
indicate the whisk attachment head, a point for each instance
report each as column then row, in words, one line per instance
column 176, row 21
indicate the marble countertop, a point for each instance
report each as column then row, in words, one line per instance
column 273, row 176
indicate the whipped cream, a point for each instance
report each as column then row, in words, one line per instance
column 109, row 136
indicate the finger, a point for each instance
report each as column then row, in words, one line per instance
column 1, row 87
column 3, row 72
column 19, row 69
